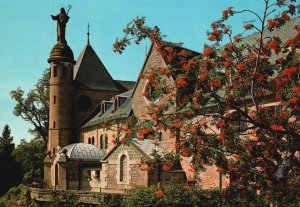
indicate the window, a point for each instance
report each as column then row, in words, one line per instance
column 123, row 168
column 54, row 99
column 106, row 141
column 54, row 71
column 101, row 141
column 97, row 175
column 277, row 111
column 89, row 175
column 54, row 124
column 89, row 141
column 151, row 93
column 56, row 174
column 160, row 136
column 93, row 141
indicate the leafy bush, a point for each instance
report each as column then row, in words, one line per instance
column 63, row 199
column 176, row 195
column 141, row 196
column 16, row 196
column 111, row 200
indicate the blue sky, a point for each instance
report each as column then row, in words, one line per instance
column 28, row 34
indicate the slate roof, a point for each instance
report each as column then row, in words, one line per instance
column 123, row 111
column 285, row 32
column 147, row 146
column 82, row 151
column 90, row 72
column 125, row 85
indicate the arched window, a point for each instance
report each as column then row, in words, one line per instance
column 151, row 93
column 56, row 174
column 123, row 168
column 106, row 141
column 93, row 141
column 101, row 141
column 89, row 141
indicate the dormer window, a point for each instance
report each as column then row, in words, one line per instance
column 118, row 101
column 108, row 104
column 121, row 100
column 105, row 105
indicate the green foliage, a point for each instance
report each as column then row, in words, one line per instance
column 31, row 155
column 236, row 105
column 6, row 142
column 241, row 196
column 10, row 169
column 63, row 199
column 16, row 196
column 141, row 196
column 111, row 200
column 34, row 107
column 176, row 195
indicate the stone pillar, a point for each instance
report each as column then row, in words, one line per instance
column 47, row 171
column 62, row 173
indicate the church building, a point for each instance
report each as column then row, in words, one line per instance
column 88, row 110
column 82, row 151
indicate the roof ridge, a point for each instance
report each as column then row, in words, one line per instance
column 71, row 149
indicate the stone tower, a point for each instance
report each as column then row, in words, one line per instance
column 61, row 88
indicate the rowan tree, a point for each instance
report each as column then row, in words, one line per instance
column 237, row 103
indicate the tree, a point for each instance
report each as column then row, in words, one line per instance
column 9, row 174
column 6, row 142
column 30, row 155
column 229, row 84
column 34, row 107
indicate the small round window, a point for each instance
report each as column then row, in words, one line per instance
column 152, row 92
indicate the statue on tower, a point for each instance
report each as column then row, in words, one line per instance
column 62, row 19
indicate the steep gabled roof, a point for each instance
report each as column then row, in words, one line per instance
column 145, row 147
column 175, row 46
column 90, row 72
column 125, row 85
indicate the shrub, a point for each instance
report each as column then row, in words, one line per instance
column 16, row 196
column 141, row 196
column 111, row 200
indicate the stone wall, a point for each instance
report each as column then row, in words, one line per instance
column 46, row 195
column 111, row 169
column 97, row 130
